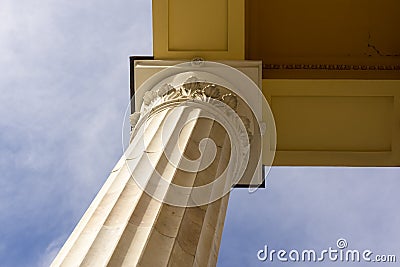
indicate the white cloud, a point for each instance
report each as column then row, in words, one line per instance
column 64, row 88
column 51, row 251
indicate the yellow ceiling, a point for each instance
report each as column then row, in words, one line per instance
column 342, row 32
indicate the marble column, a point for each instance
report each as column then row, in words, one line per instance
column 141, row 217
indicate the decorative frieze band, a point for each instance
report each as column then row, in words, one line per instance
column 330, row 67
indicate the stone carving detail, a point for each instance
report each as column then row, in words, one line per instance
column 134, row 118
column 193, row 89
column 230, row 100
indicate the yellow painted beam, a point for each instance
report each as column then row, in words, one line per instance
column 210, row 29
column 336, row 122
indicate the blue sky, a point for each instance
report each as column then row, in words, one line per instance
column 311, row 208
column 64, row 89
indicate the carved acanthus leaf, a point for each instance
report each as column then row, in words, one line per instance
column 193, row 89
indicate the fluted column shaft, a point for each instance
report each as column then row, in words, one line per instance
column 125, row 226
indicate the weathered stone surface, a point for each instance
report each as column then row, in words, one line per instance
column 125, row 226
